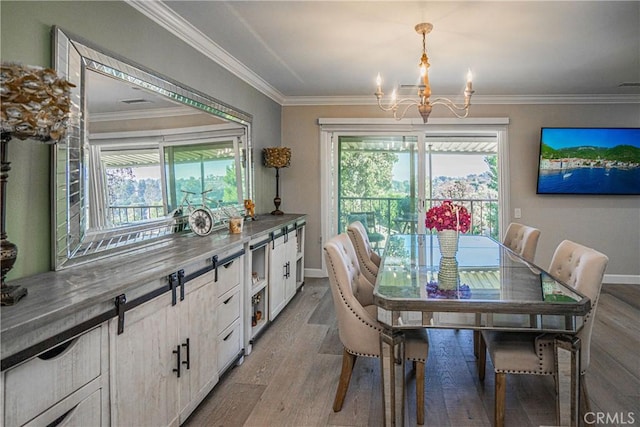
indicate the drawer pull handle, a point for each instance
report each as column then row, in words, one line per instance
column 227, row 265
column 57, row 351
column 227, row 337
column 186, row 346
column 177, row 368
column 228, row 299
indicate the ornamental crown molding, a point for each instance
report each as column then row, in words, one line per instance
column 164, row 16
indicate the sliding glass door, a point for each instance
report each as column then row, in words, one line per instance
column 464, row 168
column 388, row 181
column 378, row 184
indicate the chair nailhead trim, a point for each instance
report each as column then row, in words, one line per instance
column 363, row 321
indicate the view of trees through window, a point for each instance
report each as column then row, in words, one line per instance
column 134, row 184
column 384, row 181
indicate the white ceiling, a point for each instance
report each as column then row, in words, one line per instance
column 323, row 52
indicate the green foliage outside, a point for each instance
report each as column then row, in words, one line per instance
column 125, row 191
column 366, row 174
column 366, row 185
column 621, row 153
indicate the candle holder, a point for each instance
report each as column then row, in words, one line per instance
column 277, row 157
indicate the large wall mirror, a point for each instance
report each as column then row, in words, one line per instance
column 141, row 151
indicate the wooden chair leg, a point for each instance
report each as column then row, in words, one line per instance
column 482, row 356
column 420, row 392
column 501, row 391
column 348, row 360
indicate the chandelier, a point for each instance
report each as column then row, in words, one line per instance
column 424, row 104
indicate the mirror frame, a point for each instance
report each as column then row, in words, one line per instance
column 72, row 243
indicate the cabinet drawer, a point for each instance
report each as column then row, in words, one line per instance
column 228, row 308
column 228, row 345
column 228, row 276
column 86, row 413
column 37, row 384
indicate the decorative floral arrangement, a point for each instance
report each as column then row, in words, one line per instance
column 449, row 216
column 435, row 292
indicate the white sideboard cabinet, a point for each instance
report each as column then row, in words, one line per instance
column 167, row 355
column 282, row 270
column 140, row 339
column 275, row 271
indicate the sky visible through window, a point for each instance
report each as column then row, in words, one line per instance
column 218, row 168
column 451, row 165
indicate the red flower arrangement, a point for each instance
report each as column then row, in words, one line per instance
column 449, row 216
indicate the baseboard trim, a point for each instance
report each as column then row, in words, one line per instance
column 314, row 272
column 623, row 279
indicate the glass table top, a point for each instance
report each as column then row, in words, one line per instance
column 484, row 277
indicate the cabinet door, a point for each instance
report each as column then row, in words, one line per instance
column 291, row 265
column 277, row 277
column 198, row 322
column 300, row 257
column 144, row 387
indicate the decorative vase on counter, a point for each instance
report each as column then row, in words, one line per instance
column 448, row 240
column 448, row 277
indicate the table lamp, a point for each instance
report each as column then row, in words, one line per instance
column 277, row 157
column 35, row 105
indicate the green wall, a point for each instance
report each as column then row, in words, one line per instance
column 25, row 35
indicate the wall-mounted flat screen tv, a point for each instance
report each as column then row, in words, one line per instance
column 589, row 161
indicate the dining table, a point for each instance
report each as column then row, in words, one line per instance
column 485, row 286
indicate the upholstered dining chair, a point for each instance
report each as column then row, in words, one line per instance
column 358, row 326
column 368, row 220
column 532, row 353
column 522, row 239
column 368, row 259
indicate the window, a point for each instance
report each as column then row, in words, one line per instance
column 395, row 177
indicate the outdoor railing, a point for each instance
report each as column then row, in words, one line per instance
column 120, row 215
column 397, row 215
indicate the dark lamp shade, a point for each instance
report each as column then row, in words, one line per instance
column 35, row 103
column 276, row 157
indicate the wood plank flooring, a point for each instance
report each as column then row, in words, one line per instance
column 291, row 375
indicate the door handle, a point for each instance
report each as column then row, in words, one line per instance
column 177, row 368
column 187, row 347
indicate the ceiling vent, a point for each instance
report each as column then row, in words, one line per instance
column 629, row 84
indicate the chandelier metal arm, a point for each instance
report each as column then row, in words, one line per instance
column 453, row 107
column 395, row 107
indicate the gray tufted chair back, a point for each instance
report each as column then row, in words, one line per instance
column 522, row 239
column 352, row 292
column 368, row 259
column 581, row 268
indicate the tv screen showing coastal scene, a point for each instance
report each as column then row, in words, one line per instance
column 589, row 161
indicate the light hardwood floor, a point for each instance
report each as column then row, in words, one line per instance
column 291, row 376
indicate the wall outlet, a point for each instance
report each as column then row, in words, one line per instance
column 517, row 213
